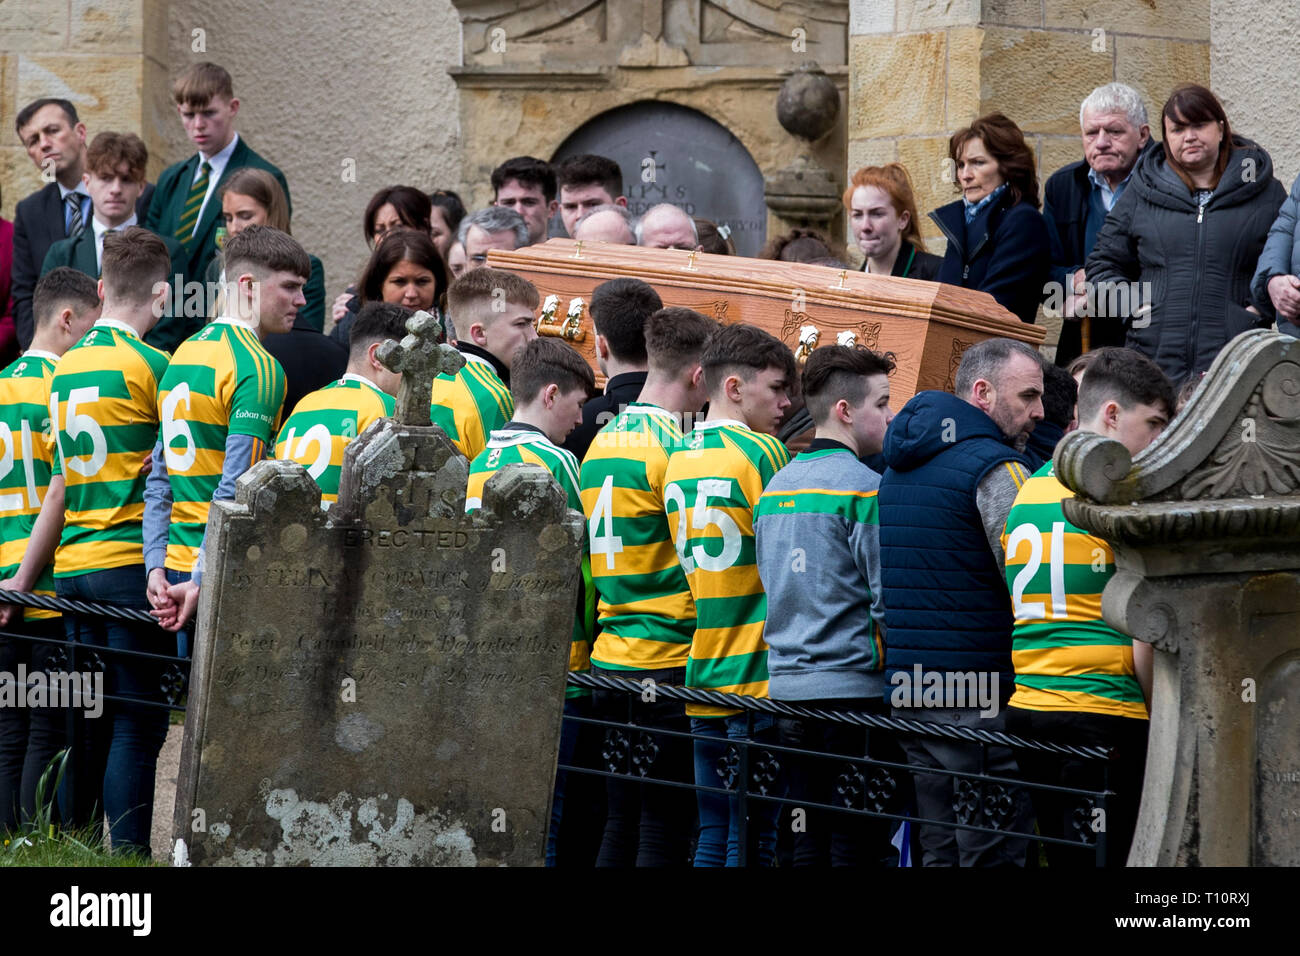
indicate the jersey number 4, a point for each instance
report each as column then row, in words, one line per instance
column 701, row 519
column 1032, row 535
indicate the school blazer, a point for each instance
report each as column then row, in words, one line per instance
column 174, row 188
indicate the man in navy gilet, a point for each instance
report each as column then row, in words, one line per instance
column 954, row 468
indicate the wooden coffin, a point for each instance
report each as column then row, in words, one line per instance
column 926, row 325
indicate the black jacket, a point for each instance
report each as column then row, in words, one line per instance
column 39, row 224
column 913, row 263
column 600, row 411
column 310, row 361
column 1011, row 259
column 1180, row 273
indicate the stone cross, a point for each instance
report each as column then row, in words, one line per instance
column 420, row 357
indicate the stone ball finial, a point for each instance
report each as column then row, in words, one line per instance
column 808, row 103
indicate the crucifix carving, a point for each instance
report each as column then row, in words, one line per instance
column 420, row 357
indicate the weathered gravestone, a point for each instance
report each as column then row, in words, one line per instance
column 1205, row 526
column 381, row 684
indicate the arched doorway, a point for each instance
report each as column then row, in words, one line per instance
column 671, row 153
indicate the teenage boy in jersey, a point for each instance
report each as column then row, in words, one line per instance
column 1078, row 680
column 114, row 178
column 326, row 420
column 65, row 305
column 646, row 614
column 493, row 312
column 586, row 182
column 526, row 185
column 104, row 412
column 220, row 405
column 817, row 521
column 186, row 204
column 549, row 383
column 712, row 483
column 619, row 309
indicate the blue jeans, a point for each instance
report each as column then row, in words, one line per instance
column 185, row 636
column 719, row 836
column 117, row 754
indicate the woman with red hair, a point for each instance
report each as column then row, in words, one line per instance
column 882, row 214
column 997, row 239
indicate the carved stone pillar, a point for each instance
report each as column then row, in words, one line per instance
column 1205, row 526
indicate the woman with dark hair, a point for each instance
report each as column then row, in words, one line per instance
column 997, row 240
column 252, row 197
column 405, row 270
column 447, row 212
column 798, row 245
column 882, row 214
column 393, row 207
column 1175, row 256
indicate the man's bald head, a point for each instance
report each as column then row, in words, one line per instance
column 667, row 227
column 607, row 223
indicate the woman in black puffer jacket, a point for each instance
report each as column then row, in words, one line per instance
column 1177, row 252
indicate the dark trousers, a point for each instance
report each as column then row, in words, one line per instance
column 117, row 754
column 29, row 737
column 1069, row 816
column 648, row 824
column 578, row 805
column 823, row 837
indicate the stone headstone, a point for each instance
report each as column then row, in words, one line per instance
column 382, row 685
column 1205, row 527
column 673, row 154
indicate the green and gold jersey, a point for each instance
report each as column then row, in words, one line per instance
column 1066, row 657
column 26, row 462
column 521, row 444
column 104, row 412
column 319, row 429
column 712, row 483
column 469, row 405
column 221, row 382
column 647, row 616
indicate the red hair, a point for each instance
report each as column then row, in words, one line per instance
column 892, row 178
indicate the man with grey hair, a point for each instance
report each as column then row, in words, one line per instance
column 1078, row 198
column 495, row 227
column 667, row 227
column 607, row 223
column 954, row 468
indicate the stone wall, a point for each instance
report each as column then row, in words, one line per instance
column 920, row 69
column 326, row 86
column 1252, row 66
column 108, row 57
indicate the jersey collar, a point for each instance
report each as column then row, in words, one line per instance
column 236, row 320
column 115, row 324
column 354, row 377
column 721, row 423
column 504, row 437
column 40, row 354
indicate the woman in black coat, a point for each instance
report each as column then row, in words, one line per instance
column 882, row 215
column 1177, row 252
column 997, row 240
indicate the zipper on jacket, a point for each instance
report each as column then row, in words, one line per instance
column 1194, row 327
column 1200, row 214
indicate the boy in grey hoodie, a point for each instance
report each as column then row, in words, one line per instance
column 818, row 553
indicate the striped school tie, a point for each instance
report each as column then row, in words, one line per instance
column 75, row 222
column 193, row 203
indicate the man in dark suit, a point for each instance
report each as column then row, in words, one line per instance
column 310, row 359
column 55, row 139
column 114, row 178
column 186, row 205
column 1078, row 198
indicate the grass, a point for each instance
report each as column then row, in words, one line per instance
column 41, row 842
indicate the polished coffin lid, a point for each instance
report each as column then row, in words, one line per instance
column 926, row 325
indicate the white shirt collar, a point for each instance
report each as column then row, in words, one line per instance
column 40, row 354
column 101, row 228
column 115, row 324
column 79, row 189
column 354, row 377
column 218, row 160
column 722, row 423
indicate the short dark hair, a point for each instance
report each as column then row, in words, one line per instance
column 1059, row 395
column 453, row 208
column 1080, row 364
column 1192, row 103
column 200, row 83
column 745, row 350
column 1124, row 376
column 675, row 338
column 376, row 322
column 401, row 245
column 35, row 106
column 63, row 287
column 712, row 239
column 797, row 245
column 619, row 309
column 107, row 151
column 547, row 361
column 589, row 169
column 411, row 205
column 472, row 294
column 835, row 372
column 135, row 261
column 527, row 171
column 267, row 250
